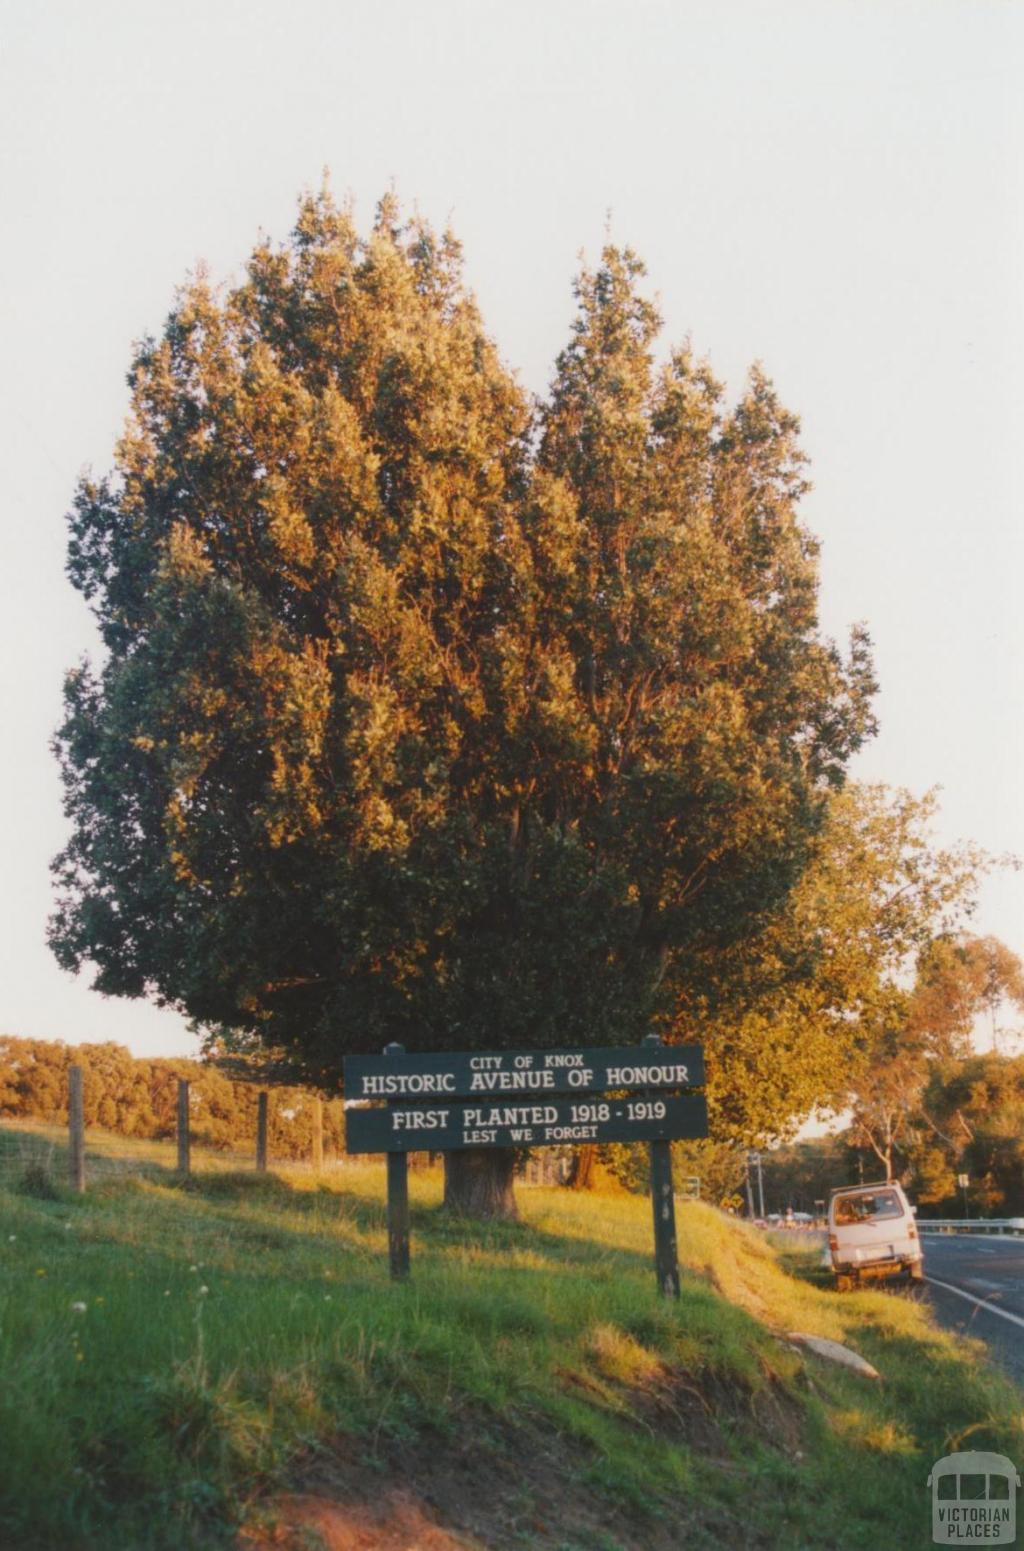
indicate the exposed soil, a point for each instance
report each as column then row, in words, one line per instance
column 397, row 1522
column 498, row 1485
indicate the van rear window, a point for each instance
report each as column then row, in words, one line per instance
column 867, row 1208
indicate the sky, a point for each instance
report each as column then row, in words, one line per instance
column 836, row 190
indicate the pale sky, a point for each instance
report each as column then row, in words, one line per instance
column 835, row 189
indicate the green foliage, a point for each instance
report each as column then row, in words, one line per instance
column 718, row 1165
column 423, row 718
column 802, row 1173
column 973, row 1119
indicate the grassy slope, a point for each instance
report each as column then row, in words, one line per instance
column 166, row 1415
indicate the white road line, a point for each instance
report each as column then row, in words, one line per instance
column 982, row 1303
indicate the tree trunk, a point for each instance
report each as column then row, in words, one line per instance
column 582, row 1175
column 479, row 1184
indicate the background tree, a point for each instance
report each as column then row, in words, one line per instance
column 404, row 732
column 800, row 1010
column 802, row 1174
column 971, row 1121
column 962, row 978
column 899, row 1089
column 888, row 1094
column 800, row 1006
column 968, row 1116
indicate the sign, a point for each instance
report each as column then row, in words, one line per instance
column 398, row 1103
column 690, row 1190
column 530, row 1122
column 522, row 1073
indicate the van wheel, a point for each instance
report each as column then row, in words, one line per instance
column 844, row 1283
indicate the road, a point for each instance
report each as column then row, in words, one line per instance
column 970, row 1278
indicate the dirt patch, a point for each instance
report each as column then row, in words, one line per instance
column 492, row 1485
column 395, row 1522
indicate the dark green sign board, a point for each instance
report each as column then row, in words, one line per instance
column 521, row 1073
column 529, row 1122
column 398, row 1103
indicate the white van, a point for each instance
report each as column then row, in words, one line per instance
column 872, row 1234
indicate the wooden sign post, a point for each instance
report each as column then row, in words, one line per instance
column 663, row 1205
column 400, row 1103
column 398, row 1201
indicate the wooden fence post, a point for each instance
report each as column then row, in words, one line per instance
column 261, row 1133
column 184, row 1156
column 318, row 1134
column 398, row 1201
column 76, row 1127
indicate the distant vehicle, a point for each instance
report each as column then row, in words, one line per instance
column 872, row 1235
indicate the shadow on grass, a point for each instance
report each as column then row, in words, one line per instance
column 805, row 1267
column 439, row 1233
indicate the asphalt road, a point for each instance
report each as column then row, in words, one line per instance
column 976, row 1285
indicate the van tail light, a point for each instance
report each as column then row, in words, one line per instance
column 911, row 1231
column 833, row 1242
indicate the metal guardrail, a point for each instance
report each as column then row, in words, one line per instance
column 1002, row 1225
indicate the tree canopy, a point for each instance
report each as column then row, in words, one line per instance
column 427, row 713
column 963, row 1116
column 914, row 1038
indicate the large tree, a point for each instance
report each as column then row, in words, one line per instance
column 423, row 717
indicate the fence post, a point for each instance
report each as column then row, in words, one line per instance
column 318, row 1134
column 184, row 1158
column 76, row 1127
column 261, row 1133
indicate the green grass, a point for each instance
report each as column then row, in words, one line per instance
column 240, row 1337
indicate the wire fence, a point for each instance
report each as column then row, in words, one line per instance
column 35, row 1150
column 44, row 1156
